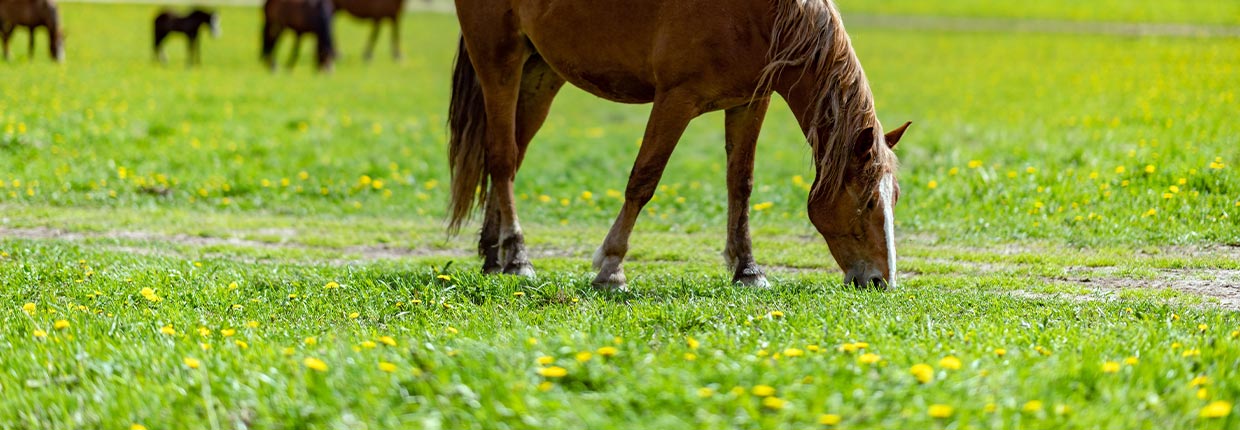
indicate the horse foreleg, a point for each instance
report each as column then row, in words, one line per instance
column 31, row 49
column 369, row 51
column 539, row 85
column 396, row 37
column 668, row 118
column 193, row 59
column 742, row 126
column 292, row 58
column 6, row 32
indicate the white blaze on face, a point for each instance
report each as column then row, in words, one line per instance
column 886, row 193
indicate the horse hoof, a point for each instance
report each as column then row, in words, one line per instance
column 520, row 269
column 613, row 282
column 492, row 270
column 757, row 281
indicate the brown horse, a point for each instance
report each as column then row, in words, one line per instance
column 32, row 14
column 688, row 57
column 301, row 17
column 376, row 11
column 168, row 22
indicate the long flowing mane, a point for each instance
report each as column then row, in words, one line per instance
column 809, row 35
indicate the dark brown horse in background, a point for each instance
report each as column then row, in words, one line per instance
column 32, row 14
column 301, row 17
column 376, row 11
column 168, row 22
column 688, row 57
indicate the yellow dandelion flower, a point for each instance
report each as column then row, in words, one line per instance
column 354, row 315
column 1203, row 393
column 689, row 356
column 1000, row 352
column 444, row 277
column 191, row 362
column 168, row 330
column 252, row 324
column 1149, row 168
column 331, row 285
column 763, row 390
column 950, row 362
column 829, row 419
column 793, row 352
column 1200, row 380
column 29, row 308
column 1216, row 409
column 545, row 386
column 990, row 407
column 922, row 372
column 204, row 346
column 545, row 360
column 584, row 356
column 586, row 195
column 774, row 403
column 932, row 184
column 953, row 172
column 1062, row 409
column 847, row 347
column 136, row 426
column 39, row 333
column 1131, row 361
column 203, row 331
column 705, row 392
column 812, row 348
column 973, row 164
column 1203, row 327
column 368, row 344
column 777, row 314
column 1194, row 352
column 1110, row 367
column 552, row 372
column 228, row 332
column 311, row 341
column 387, row 340
column 241, row 344
column 1032, row 406
column 60, row 324
column 452, row 330
column 940, row 411
column 1120, row 169
column 868, row 358
column 763, row 206
column 315, row 364
column 607, row 351
column 387, row 367
column 519, row 294
column 693, row 343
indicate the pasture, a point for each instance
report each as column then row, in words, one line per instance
column 224, row 247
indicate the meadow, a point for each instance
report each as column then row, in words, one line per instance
column 226, row 247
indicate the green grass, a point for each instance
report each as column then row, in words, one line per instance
column 1150, row 11
column 188, row 181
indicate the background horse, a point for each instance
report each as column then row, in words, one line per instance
column 688, row 57
column 376, row 11
column 32, row 14
column 300, row 16
column 168, row 22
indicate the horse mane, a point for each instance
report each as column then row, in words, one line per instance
column 809, row 35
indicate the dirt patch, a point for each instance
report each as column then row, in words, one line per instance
column 1223, row 285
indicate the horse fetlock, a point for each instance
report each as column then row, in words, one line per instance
column 519, row 268
column 611, row 281
column 751, row 276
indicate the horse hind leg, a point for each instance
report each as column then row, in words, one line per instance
column 6, row 34
column 742, row 126
column 396, row 55
column 369, row 51
column 292, row 58
column 671, row 112
column 539, row 86
column 31, row 48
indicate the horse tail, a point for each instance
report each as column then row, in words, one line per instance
column 323, row 17
column 467, row 121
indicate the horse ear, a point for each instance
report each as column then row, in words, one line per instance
column 864, row 144
column 893, row 136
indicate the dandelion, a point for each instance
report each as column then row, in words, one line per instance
column 940, row 411
column 40, row 333
column 331, row 285
column 763, row 206
column 1131, row 361
column 552, row 372
column 545, row 360
column 1200, row 380
column 252, row 324
column 444, row 277
column 368, row 344
column 793, row 352
column 310, row 341
column 137, row 426
column 774, row 403
column 950, row 362
column 584, row 356
column 241, row 344
column 829, row 419
column 452, row 330
column 60, row 324
column 763, row 390
column 168, row 330
column 689, row 356
column 932, row 184
column 922, row 372
column 191, row 362
column 953, row 172
column 1000, row 352
column 204, row 346
column 777, row 314
column 1216, row 409
column 1203, row 327
column 28, row 308
column 1203, row 393
column 387, row 340
column 693, row 343
column 315, row 364
column 354, row 315
column 387, row 367
column 519, row 294
column 586, row 195
column 1194, row 352
column 545, row 386
column 705, row 392
column 1149, row 168
column 228, row 332
column 607, row 351
column 868, row 358
column 1110, row 367
column 973, row 164
column 232, row 286
column 1119, row 169
column 1032, row 406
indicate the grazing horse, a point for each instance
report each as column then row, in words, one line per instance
column 688, row 57
column 32, row 14
column 168, row 22
column 376, row 11
column 300, row 16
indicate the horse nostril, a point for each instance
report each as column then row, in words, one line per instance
column 878, row 283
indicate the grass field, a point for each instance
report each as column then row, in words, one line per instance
column 230, row 248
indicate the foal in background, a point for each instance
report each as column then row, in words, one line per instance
column 168, row 22
column 32, row 14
